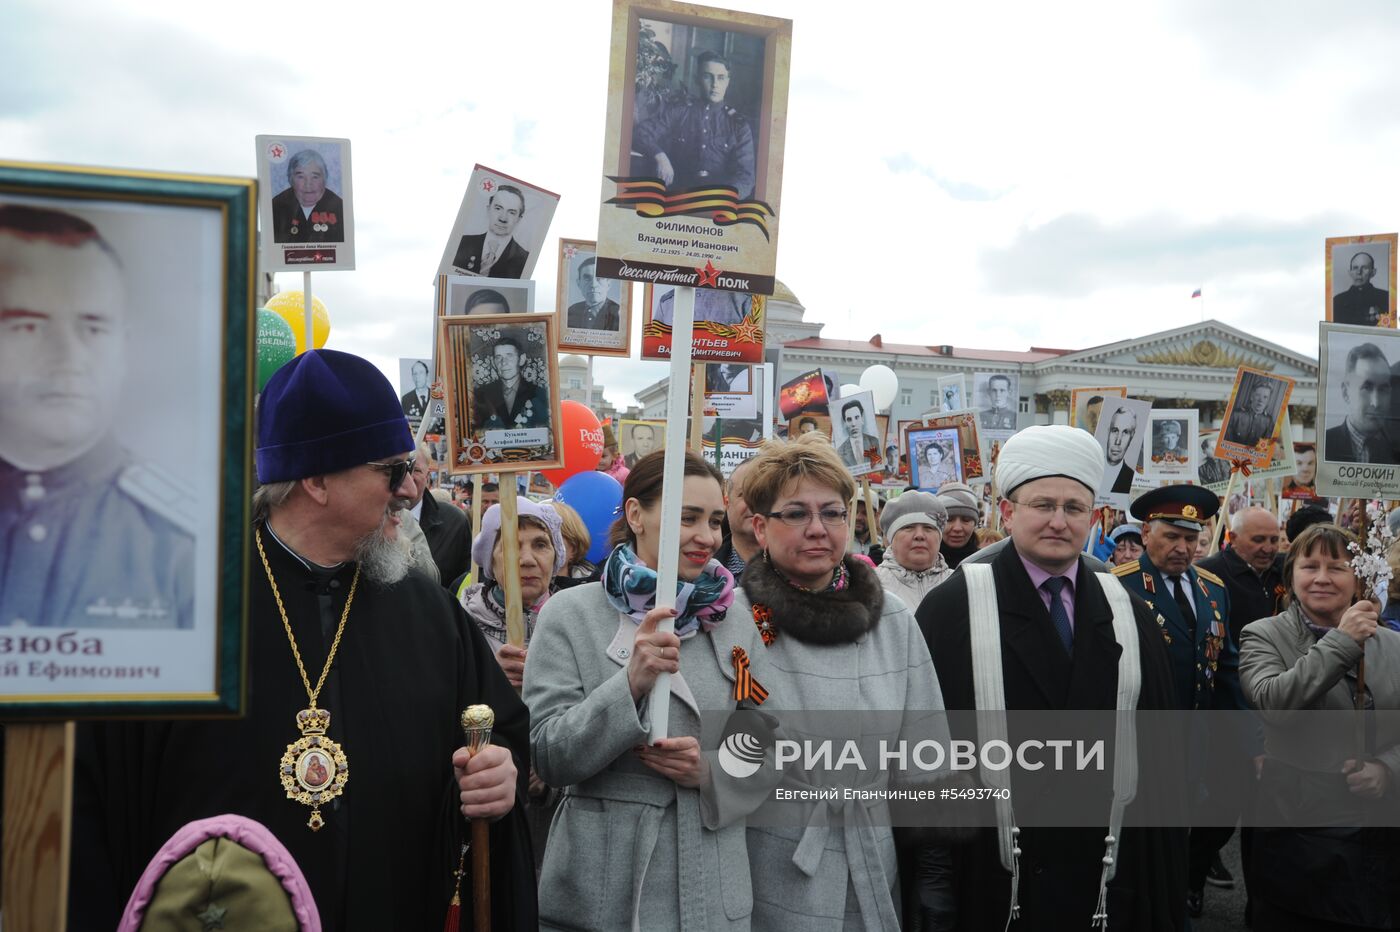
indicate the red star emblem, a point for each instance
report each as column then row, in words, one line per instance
column 570, row 251
column 277, row 150
column 709, row 276
column 488, row 185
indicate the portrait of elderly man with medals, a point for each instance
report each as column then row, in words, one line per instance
column 358, row 667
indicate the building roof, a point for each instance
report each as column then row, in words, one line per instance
column 876, row 345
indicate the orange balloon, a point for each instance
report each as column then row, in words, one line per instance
column 583, row 441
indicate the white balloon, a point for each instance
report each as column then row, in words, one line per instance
column 881, row 382
column 848, row 390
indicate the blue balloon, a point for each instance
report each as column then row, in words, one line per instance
column 597, row 497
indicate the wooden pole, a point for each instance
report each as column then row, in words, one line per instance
column 1224, row 515
column 668, row 549
column 510, row 560
column 870, row 522
column 38, row 813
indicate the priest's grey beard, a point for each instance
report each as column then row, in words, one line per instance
column 384, row 560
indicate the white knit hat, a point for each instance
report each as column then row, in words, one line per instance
column 1047, row 451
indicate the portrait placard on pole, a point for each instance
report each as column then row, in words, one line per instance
column 500, row 227
column 1358, row 456
column 308, row 214
column 597, row 311
column 129, row 449
column 693, row 146
column 502, row 392
column 728, row 326
column 1250, row 429
column 1361, row 280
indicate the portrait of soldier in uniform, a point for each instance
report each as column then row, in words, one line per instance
column 90, row 535
column 719, row 307
column 999, row 414
column 702, row 141
column 1253, row 421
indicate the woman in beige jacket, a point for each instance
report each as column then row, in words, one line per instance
column 1311, row 870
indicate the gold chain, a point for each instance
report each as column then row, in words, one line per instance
column 344, row 617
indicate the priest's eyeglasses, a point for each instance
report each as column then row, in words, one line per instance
column 1046, row 508
column 397, row 471
column 801, row 517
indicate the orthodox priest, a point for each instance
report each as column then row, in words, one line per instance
column 1055, row 631
column 358, row 670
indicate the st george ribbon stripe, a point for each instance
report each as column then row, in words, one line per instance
column 745, row 686
column 648, row 197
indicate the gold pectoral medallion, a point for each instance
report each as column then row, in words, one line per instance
column 314, row 769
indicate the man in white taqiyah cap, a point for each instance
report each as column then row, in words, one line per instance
column 1053, row 627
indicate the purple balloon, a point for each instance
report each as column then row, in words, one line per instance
column 597, row 497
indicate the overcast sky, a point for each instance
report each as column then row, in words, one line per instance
column 991, row 176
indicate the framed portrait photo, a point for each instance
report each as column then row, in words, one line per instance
column 739, row 437
column 500, row 227
column 1258, row 400
column 952, row 393
column 473, row 296
column 1086, row 404
column 1303, row 483
column 1212, row 472
column 693, row 146
column 935, row 457
column 732, row 390
column 728, row 325
column 1361, row 280
column 855, row 433
column 1356, row 412
column 970, row 460
column 502, row 377
column 1172, row 450
column 1122, row 429
column 807, row 423
column 998, row 394
column 308, row 220
column 637, row 438
column 597, row 311
column 128, row 451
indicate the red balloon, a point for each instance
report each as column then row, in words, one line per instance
column 583, row 442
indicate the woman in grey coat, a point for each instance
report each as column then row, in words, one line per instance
column 838, row 643
column 647, row 837
column 1310, row 871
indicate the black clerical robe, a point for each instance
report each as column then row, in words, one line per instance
column 408, row 663
column 1060, row 866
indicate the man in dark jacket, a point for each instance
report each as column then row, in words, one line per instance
column 1059, row 651
column 447, row 527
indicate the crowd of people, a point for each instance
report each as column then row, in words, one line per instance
column 794, row 596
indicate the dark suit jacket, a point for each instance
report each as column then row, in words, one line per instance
column 286, row 215
column 492, row 413
column 1355, row 305
column 1336, row 446
column 510, row 264
column 449, row 534
column 578, row 315
column 1124, row 482
column 412, row 407
column 1060, row 866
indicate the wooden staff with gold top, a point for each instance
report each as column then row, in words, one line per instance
column 477, row 721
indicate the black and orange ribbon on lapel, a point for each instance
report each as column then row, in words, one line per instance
column 745, row 686
column 648, row 197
